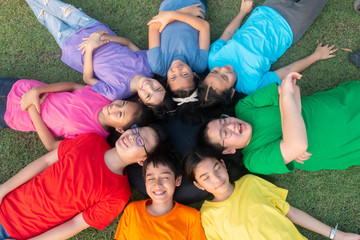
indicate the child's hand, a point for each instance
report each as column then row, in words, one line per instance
column 325, row 52
column 32, row 97
column 303, row 157
column 194, row 10
column 346, row 236
column 95, row 40
column 288, row 84
column 164, row 18
column 246, row 6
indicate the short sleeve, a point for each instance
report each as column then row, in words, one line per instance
column 123, row 226
column 270, row 193
column 104, row 212
column 267, row 96
column 216, row 46
column 110, row 92
column 155, row 61
column 200, row 64
column 268, row 78
column 209, row 229
column 197, row 230
column 68, row 144
column 267, row 160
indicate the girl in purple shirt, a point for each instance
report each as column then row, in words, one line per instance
column 112, row 65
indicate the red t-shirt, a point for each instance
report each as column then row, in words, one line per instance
column 79, row 182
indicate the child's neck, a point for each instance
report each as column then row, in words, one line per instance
column 134, row 83
column 102, row 121
column 160, row 209
column 223, row 196
column 114, row 162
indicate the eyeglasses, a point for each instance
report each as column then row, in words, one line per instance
column 139, row 140
column 225, row 132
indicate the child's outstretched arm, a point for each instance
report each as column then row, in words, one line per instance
column 65, row 230
column 304, row 220
column 88, row 46
column 166, row 17
column 32, row 97
column 321, row 52
column 245, row 9
column 294, row 144
column 28, row 173
column 44, row 133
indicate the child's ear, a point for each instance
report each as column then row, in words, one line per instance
column 120, row 130
column 223, row 163
column 178, row 181
column 141, row 162
column 198, row 185
column 229, row 151
column 232, row 93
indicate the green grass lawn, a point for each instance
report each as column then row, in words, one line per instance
column 27, row 50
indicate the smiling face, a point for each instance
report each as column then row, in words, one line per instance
column 180, row 77
column 119, row 113
column 128, row 148
column 160, row 183
column 231, row 133
column 211, row 175
column 150, row 91
column 221, row 79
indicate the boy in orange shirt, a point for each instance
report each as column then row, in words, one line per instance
column 160, row 216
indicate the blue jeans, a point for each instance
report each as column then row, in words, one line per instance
column 5, row 87
column 3, row 233
column 61, row 19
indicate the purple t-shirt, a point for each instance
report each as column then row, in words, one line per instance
column 66, row 114
column 114, row 65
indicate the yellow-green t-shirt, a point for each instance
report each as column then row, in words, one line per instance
column 255, row 210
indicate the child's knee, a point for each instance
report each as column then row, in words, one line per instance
column 68, row 9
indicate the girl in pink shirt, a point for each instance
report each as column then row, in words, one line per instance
column 64, row 110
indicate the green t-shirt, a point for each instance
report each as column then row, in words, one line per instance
column 332, row 120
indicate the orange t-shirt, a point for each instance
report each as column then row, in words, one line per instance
column 181, row 222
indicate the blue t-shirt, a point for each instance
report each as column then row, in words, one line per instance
column 254, row 47
column 179, row 41
column 114, row 65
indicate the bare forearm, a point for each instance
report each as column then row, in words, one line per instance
column 42, row 130
column 88, row 73
column 233, row 27
column 304, row 220
column 195, row 22
column 154, row 35
column 58, row 87
column 65, row 230
column 297, row 66
column 294, row 140
column 122, row 41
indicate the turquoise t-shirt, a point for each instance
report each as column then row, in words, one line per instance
column 332, row 120
column 179, row 41
column 254, row 47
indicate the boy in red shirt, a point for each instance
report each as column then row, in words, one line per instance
column 160, row 216
column 82, row 183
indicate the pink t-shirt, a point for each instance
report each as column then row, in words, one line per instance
column 66, row 114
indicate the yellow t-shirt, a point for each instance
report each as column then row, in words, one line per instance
column 180, row 223
column 255, row 210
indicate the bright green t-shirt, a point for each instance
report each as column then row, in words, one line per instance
column 255, row 211
column 332, row 120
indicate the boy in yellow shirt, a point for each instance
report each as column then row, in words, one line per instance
column 252, row 208
column 160, row 217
